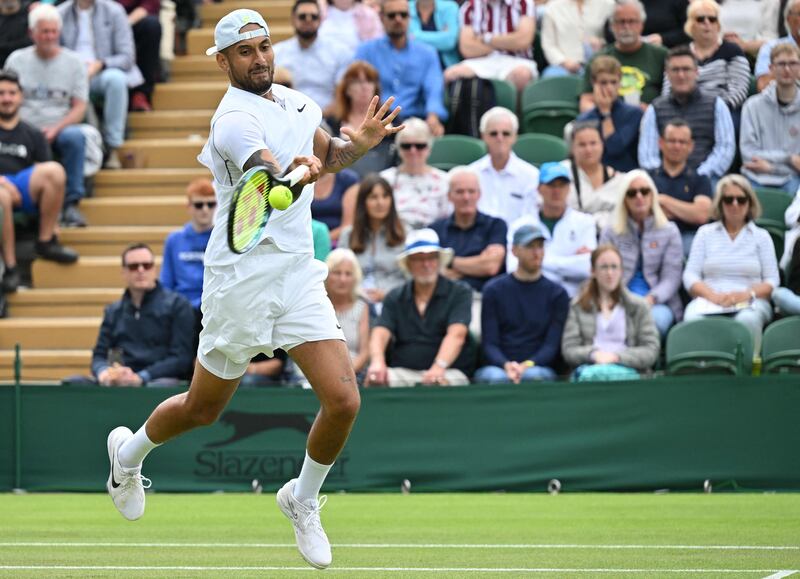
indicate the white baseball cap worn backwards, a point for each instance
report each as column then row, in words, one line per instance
column 227, row 32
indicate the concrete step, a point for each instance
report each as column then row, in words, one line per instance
column 61, row 302
column 167, row 210
column 111, row 240
column 87, row 272
column 49, row 333
column 39, row 365
column 275, row 12
column 196, row 68
column 179, row 96
column 162, row 153
column 146, row 181
column 199, row 39
column 170, row 124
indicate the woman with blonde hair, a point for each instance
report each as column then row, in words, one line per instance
column 732, row 268
column 352, row 312
column 650, row 246
column 609, row 332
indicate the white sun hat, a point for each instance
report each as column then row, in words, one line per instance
column 423, row 241
column 227, row 30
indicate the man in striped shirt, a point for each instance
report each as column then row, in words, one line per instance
column 496, row 41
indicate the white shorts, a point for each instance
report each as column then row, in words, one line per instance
column 269, row 299
column 499, row 66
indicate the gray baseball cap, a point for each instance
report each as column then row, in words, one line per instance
column 526, row 234
column 227, row 31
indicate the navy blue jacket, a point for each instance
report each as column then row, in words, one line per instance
column 155, row 340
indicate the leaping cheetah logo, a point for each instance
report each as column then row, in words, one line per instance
column 246, row 424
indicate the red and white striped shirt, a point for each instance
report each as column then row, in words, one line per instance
column 497, row 17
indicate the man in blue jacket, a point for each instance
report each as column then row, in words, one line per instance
column 146, row 337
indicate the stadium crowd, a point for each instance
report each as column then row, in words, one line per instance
column 685, row 117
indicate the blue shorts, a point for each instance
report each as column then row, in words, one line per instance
column 22, row 182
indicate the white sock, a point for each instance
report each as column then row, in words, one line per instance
column 312, row 475
column 132, row 452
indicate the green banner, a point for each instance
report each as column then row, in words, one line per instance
column 641, row 435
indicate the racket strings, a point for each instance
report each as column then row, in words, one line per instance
column 250, row 210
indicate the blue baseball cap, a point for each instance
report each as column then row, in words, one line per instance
column 549, row 172
column 525, row 234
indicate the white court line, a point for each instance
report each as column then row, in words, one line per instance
column 532, row 546
column 781, row 574
column 383, row 569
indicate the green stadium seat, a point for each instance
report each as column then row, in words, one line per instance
column 714, row 345
column 536, row 148
column 505, row 94
column 774, row 203
column 549, row 104
column 780, row 347
column 449, row 151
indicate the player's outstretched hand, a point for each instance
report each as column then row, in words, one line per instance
column 377, row 124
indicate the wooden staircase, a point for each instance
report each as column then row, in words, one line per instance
column 56, row 322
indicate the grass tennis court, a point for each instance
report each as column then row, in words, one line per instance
column 425, row 535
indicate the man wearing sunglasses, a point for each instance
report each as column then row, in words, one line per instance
column 182, row 267
column 146, row 336
column 317, row 63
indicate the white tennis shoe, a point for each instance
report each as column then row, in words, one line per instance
column 311, row 538
column 125, row 485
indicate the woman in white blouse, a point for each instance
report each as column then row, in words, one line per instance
column 750, row 23
column 572, row 30
column 732, row 266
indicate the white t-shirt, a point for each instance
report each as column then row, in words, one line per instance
column 85, row 43
column 243, row 124
column 509, row 193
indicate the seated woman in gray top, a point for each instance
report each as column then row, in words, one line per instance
column 376, row 237
column 344, row 290
column 650, row 245
column 732, row 268
column 609, row 334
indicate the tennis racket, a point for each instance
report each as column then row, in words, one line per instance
column 250, row 207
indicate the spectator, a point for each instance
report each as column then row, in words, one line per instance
column 13, row 28
column 354, row 92
column 330, row 191
column 266, row 371
column 30, row 182
column 792, row 219
column 110, row 59
column 146, row 336
column 508, row 183
column 435, row 22
column 55, row 103
column 787, row 297
column 408, row 69
column 684, row 196
column 322, row 240
column 376, row 237
column 352, row 311
column 478, row 241
column 791, row 18
column 143, row 18
column 618, row 121
column 770, row 135
column 348, row 22
column 749, row 23
column 650, row 247
column 595, row 186
column 420, row 191
column 572, row 32
column 523, row 317
column 642, row 62
column 570, row 236
column 723, row 68
column 609, row 332
column 707, row 115
column 732, row 266
column 316, row 62
column 182, row 264
column 427, row 320
column 665, row 21
column 496, row 41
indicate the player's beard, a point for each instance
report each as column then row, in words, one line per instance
column 259, row 87
column 8, row 114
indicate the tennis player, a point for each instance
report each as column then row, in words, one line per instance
column 271, row 297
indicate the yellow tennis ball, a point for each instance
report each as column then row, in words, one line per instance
column 280, row 197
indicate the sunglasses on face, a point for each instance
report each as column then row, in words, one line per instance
column 393, row 15
column 702, row 18
column 146, row 265
column 308, row 17
column 201, row 204
column 417, row 146
column 634, row 191
column 499, row 133
column 731, row 199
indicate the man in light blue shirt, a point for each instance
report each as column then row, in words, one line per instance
column 316, row 63
column 408, row 69
column 791, row 16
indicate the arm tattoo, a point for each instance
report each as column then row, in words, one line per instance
column 256, row 160
column 341, row 154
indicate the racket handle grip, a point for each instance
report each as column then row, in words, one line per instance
column 295, row 175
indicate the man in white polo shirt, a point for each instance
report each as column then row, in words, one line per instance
column 508, row 184
column 272, row 297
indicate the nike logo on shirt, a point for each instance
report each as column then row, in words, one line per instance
column 301, row 109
